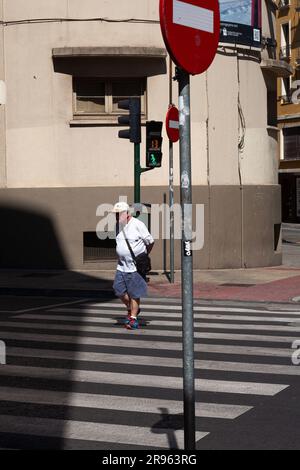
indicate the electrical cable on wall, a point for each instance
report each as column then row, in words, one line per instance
column 73, row 20
column 242, row 121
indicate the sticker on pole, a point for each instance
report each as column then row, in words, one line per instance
column 187, row 248
column 172, row 124
column 191, row 31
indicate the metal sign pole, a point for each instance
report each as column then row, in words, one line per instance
column 171, row 181
column 187, row 260
column 171, row 202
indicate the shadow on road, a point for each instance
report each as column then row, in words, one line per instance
column 36, row 345
column 168, row 424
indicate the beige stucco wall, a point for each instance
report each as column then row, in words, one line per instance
column 44, row 151
column 259, row 163
column 57, row 173
column 2, row 107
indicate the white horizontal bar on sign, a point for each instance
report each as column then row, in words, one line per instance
column 174, row 124
column 193, row 16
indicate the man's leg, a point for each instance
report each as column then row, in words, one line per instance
column 135, row 305
column 132, row 324
column 126, row 301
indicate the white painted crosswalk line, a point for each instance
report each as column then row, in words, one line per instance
column 217, row 316
column 117, row 403
column 146, row 344
column 156, row 361
column 150, row 381
column 99, row 325
column 178, row 333
column 108, row 319
column 110, row 433
column 177, row 308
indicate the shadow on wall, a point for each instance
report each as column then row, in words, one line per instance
column 110, row 66
column 28, row 240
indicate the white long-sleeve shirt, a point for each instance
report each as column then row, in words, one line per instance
column 138, row 237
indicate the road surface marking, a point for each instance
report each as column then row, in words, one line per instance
column 117, row 403
column 113, row 433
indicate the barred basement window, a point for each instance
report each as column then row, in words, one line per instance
column 95, row 250
column 97, row 98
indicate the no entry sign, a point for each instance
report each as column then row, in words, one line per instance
column 191, row 30
column 172, row 124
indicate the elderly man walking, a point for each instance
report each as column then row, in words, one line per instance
column 133, row 239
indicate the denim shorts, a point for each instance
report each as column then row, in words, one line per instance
column 131, row 283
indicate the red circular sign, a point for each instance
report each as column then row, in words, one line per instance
column 172, row 124
column 191, row 30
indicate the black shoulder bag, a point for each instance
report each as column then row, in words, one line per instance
column 142, row 261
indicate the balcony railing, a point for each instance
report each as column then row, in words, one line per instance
column 297, row 56
column 283, row 4
column 286, row 99
column 285, row 52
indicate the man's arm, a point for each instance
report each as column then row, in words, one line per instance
column 149, row 247
column 146, row 236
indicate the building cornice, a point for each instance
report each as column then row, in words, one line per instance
column 286, row 117
column 146, row 52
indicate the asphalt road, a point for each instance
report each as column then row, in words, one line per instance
column 76, row 379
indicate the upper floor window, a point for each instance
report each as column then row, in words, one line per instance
column 285, row 41
column 291, row 139
column 97, row 98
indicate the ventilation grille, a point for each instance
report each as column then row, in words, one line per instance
column 95, row 250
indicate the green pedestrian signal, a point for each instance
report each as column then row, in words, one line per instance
column 153, row 159
column 153, row 144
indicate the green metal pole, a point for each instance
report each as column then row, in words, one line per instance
column 137, row 174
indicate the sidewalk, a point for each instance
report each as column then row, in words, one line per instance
column 272, row 284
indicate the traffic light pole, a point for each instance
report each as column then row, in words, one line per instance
column 137, row 174
column 187, row 259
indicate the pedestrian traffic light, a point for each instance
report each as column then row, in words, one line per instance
column 153, row 144
column 133, row 120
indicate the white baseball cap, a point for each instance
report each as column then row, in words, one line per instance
column 121, row 207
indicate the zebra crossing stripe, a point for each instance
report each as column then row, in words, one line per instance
column 84, row 320
column 197, row 308
column 88, row 431
column 171, row 362
column 212, row 316
column 117, row 403
column 220, row 386
column 178, row 333
column 146, row 344
column 295, row 327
